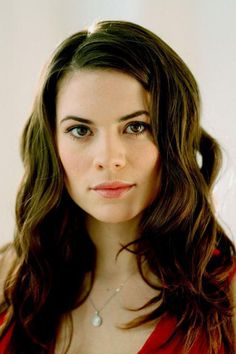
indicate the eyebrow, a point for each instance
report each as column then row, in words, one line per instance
column 122, row 119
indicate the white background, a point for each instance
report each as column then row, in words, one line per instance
column 203, row 32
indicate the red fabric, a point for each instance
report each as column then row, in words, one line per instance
column 160, row 334
column 5, row 340
column 163, row 331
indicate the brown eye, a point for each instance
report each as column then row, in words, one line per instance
column 79, row 131
column 136, row 128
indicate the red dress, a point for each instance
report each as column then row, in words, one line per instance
column 160, row 334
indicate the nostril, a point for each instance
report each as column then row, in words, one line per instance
column 110, row 162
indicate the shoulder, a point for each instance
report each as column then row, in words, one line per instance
column 7, row 258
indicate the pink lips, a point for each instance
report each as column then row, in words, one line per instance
column 114, row 189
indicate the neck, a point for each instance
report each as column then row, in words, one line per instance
column 108, row 240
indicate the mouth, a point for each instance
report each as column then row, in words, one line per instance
column 114, row 189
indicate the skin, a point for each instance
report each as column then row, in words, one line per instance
column 111, row 152
column 107, row 149
column 115, row 145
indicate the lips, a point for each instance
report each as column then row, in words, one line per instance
column 114, row 189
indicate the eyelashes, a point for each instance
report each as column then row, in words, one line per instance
column 79, row 131
column 137, row 128
column 82, row 131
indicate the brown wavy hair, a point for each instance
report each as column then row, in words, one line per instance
column 179, row 235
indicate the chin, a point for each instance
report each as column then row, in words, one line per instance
column 113, row 218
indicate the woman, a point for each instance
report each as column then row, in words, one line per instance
column 117, row 248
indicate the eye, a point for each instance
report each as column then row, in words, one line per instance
column 137, row 128
column 79, row 131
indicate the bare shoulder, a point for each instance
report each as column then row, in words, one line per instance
column 7, row 258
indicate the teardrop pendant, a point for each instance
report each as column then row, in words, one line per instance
column 96, row 320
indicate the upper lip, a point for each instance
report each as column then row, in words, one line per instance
column 112, row 185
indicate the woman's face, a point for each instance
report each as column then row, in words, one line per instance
column 105, row 144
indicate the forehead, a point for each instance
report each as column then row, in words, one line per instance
column 107, row 91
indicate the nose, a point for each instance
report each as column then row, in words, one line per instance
column 110, row 154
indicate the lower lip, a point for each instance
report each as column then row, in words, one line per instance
column 113, row 193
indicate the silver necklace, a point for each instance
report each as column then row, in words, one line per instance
column 97, row 319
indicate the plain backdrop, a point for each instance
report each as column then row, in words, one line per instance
column 202, row 32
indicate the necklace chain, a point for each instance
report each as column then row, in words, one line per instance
column 97, row 320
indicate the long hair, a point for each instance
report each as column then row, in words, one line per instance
column 179, row 236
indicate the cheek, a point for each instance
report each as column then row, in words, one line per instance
column 72, row 161
column 149, row 159
column 68, row 160
column 152, row 168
